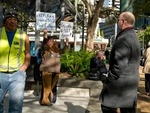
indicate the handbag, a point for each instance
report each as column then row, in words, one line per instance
column 94, row 75
column 51, row 63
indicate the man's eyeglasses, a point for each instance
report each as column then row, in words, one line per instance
column 121, row 19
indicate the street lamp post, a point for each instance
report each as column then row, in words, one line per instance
column 75, row 21
column 37, row 41
column 83, row 27
column 62, row 18
column 37, row 32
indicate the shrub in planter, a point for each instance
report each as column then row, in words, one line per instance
column 76, row 63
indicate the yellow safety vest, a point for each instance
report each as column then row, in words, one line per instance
column 12, row 58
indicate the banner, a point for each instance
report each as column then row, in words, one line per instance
column 66, row 29
column 45, row 20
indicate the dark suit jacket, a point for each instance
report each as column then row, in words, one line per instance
column 120, row 89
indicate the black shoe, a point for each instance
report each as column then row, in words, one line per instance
column 54, row 98
column 50, row 104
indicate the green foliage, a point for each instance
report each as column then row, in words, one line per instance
column 76, row 63
column 144, row 35
column 141, row 7
column 141, row 35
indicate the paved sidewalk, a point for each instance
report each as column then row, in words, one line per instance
column 74, row 104
column 143, row 104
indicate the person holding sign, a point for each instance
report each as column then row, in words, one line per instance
column 50, row 68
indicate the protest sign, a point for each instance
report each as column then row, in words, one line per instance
column 45, row 20
column 66, row 29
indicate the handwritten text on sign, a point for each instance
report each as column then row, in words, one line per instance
column 66, row 29
column 45, row 20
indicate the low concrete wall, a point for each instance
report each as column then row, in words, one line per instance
column 95, row 88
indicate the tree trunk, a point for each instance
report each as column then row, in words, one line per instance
column 90, row 37
column 92, row 23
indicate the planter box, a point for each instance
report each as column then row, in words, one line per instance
column 74, row 87
column 95, row 88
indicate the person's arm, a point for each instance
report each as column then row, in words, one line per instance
column 67, row 42
column 65, row 47
column 27, row 55
column 45, row 33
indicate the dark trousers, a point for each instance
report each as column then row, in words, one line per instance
column 49, row 88
column 54, row 90
column 147, row 83
column 106, row 109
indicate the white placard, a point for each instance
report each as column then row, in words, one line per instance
column 66, row 29
column 45, row 20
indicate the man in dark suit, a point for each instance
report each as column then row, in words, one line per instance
column 120, row 87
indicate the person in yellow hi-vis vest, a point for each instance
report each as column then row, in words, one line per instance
column 14, row 60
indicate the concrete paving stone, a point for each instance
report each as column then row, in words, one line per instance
column 64, row 104
column 73, row 92
column 69, row 101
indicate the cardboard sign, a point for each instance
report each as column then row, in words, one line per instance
column 45, row 20
column 66, row 29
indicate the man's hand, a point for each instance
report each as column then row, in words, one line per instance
column 103, row 77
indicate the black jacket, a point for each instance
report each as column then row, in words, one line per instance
column 121, row 88
column 96, row 64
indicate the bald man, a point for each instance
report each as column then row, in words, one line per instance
column 120, row 87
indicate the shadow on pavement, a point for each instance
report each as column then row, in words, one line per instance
column 144, row 98
column 75, row 108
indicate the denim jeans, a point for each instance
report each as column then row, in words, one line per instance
column 14, row 84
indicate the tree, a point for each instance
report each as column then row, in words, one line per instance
column 94, row 12
column 141, row 8
column 93, row 16
column 144, row 36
